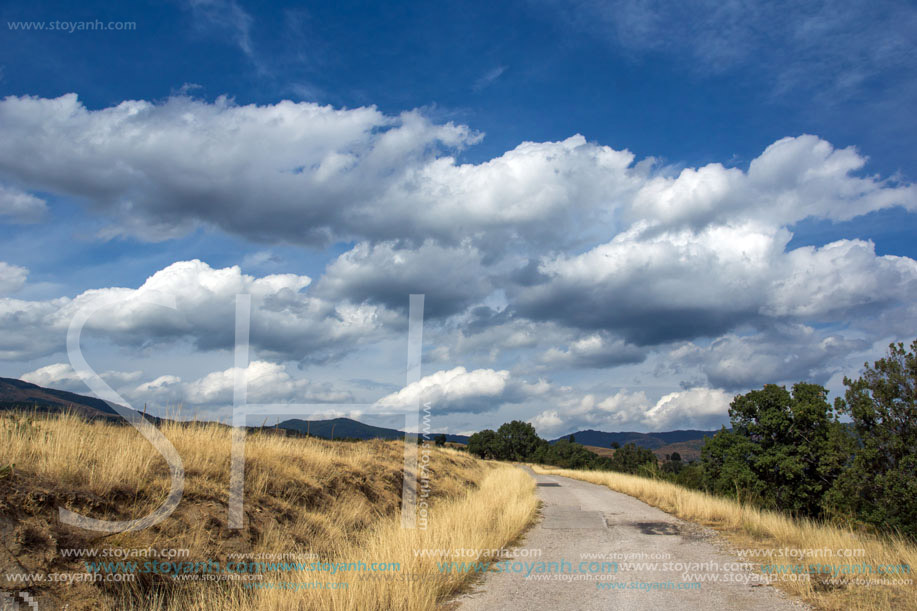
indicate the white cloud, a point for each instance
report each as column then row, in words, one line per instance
column 310, row 174
column 284, row 322
column 386, row 274
column 794, row 178
column 783, row 354
column 485, row 331
column 594, row 350
column 549, row 422
column 61, row 376
column 298, row 172
column 267, row 383
column 837, row 278
column 695, row 408
column 158, row 385
column 658, row 287
column 561, row 192
column 455, row 390
column 21, row 207
column 12, row 278
column 165, row 391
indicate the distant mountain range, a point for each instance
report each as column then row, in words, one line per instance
column 686, row 443
column 652, row 441
column 19, row 395
column 16, row 394
column 338, row 428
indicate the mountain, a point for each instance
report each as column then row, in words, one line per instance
column 652, row 441
column 338, row 428
column 16, row 394
column 687, row 450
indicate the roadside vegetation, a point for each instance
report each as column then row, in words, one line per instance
column 339, row 502
column 785, row 450
column 787, row 473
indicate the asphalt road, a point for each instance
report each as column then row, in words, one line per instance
column 580, row 518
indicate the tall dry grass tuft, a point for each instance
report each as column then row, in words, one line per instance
column 335, row 500
column 748, row 527
column 485, row 518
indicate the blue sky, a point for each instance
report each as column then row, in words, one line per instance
column 771, row 137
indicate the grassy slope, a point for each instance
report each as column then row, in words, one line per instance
column 337, row 500
column 750, row 528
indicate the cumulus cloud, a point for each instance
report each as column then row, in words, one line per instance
column 298, row 172
column 686, row 284
column 793, row 179
column 830, row 282
column 485, row 332
column 560, row 193
column 160, row 382
column 595, row 350
column 457, row 390
column 702, row 408
column 267, row 383
column 309, row 174
column 783, row 354
column 61, row 376
column 452, row 278
column 12, row 278
column 695, row 408
column 20, row 207
column 285, row 322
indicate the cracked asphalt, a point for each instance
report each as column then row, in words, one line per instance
column 579, row 518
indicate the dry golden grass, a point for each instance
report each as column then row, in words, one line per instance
column 337, row 500
column 488, row 517
column 747, row 527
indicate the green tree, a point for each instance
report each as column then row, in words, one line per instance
column 879, row 486
column 439, row 439
column 615, row 445
column 785, row 449
column 726, row 468
column 629, row 458
column 517, row 440
column 483, row 444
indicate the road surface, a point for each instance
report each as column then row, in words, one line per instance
column 580, row 518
